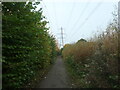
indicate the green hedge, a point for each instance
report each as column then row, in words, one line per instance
column 27, row 45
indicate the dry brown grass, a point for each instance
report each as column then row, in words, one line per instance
column 80, row 50
column 102, row 53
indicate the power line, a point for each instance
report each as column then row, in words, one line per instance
column 61, row 41
column 82, row 13
column 61, row 37
column 71, row 13
column 47, row 13
column 91, row 13
column 54, row 8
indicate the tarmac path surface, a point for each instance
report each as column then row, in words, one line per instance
column 56, row 77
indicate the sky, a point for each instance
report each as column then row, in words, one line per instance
column 78, row 18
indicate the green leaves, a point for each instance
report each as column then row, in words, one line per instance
column 27, row 46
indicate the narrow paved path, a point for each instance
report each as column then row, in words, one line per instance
column 56, row 77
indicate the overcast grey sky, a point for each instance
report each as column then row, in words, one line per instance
column 78, row 18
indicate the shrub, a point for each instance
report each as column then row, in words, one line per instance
column 95, row 61
column 27, row 45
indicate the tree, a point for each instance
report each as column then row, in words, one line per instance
column 81, row 40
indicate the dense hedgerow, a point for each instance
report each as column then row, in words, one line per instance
column 95, row 63
column 27, row 45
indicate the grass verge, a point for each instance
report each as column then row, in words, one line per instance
column 76, row 77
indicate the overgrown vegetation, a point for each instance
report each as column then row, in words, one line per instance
column 27, row 45
column 94, row 63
